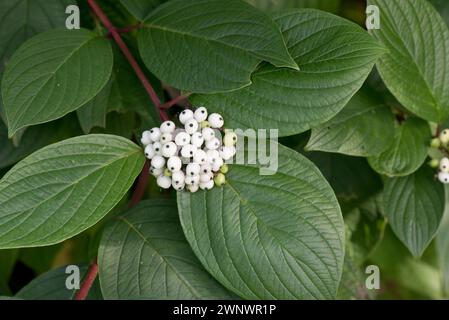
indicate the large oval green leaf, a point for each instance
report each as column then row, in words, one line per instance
column 414, row 70
column 52, row 74
column 269, row 237
column 210, row 45
column 295, row 101
column 144, row 254
column 407, row 152
column 414, row 207
column 141, row 8
column 65, row 188
column 363, row 128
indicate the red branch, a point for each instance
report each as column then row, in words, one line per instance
column 87, row 282
column 174, row 101
column 127, row 29
column 141, row 186
column 132, row 61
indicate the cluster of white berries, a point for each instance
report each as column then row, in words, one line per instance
column 192, row 157
column 442, row 143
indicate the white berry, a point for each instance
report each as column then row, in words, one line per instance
column 444, row 136
column 208, row 134
column 230, row 139
column 178, row 177
column 149, row 151
column 191, row 126
column 200, row 114
column 164, row 182
column 443, row 177
column 185, row 115
column 155, row 134
column 174, row 163
column 169, row 149
column 146, row 138
column 189, row 180
column 182, row 139
column 205, row 177
column 200, row 157
column 216, row 166
column 193, row 188
column 157, row 146
column 193, row 169
column 213, row 144
column 166, row 137
column 215, row 120
column 188, row 151
column 158, row 162
column 156, row 172
column 444, row 165
column 207, row 185
column 212, row 155
column 168, row 127
column 197, row 139
column 227, row 152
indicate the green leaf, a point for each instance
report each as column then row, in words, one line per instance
column 442, row 245
column 65, row 188
column 294, row 101
column 141, row 8
column 414, row 207
column 407, row 152
column 52, row 74
column 363, row 128
column 52, row 286
column 93, row 113
column 277, row 5
column 418, row 43
column 210, row 45
column 144, row 254
column 8, row 260
column 269, row 237
column 17, row 25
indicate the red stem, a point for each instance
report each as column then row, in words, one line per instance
column 174, row 101
column 132, row 61
column 141, row 186
column 127, row 29
column 87, row 282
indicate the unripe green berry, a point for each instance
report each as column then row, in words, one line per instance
column 205, row 124
column 436, row 143
column 220, row 179
column 167, row 172
column 434, row 163
column 224, row 169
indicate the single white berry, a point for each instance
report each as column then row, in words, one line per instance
column 185, row 115
column 158, row 162
column 193, row 188
column 207, row 185
column 168, row 127
column 155, row 134
column 197, row 139
column 204, row 177
column 200, row 114
column 178, row 187
column 166, row 137
column 193, row 169
column 188, row 151
column 182, row 139
column 169, row 149
column 200, row 157
column 216, row 166
column 444, row 136
column 149, row 151
column 191, row 126
column 206, row 169
column 174, row 163
column 208, row 134
column 215, row 120
column 157, row 146
column 213, row 144
column 444, row 165
column 212, row 156
column 178, row 178
column 146, row 138
column 230, row 139
column 227, row 153
column 443, row 177
column 189, row 180
column 164, row 182
column 156, row 172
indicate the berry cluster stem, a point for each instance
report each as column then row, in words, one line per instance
column 129, row 56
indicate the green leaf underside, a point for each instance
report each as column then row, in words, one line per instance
column 141, row 8
column 210, row 45
column 52, row 74
column 65, row 188
column 269, row 237
column 415, row 69
column 414, row 207
column 407, row 152
column 52, row 286
column 332, row 71
column 144, row 254
column 363, row 128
